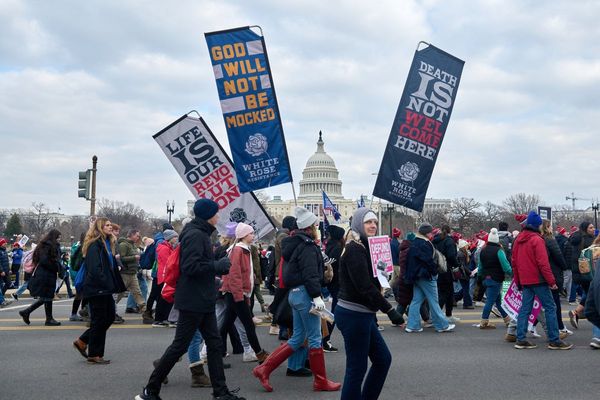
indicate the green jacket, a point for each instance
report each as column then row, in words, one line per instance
column 128, row 251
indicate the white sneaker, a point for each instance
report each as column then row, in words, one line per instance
column 533, row 333
column 453, row 319
column 450, row 328
column 595, row 343
column 568, row 332
column 380, row 328
column 249, row 356
column 408, row 330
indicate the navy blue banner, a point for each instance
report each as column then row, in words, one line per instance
column 249, row 105
column 419, row 127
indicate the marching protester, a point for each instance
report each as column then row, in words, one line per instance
column 444, row 244
column 464, row 261
column 303, row 274
column 130, row 259
column 238, row 285
column 422, row 272
column 580, row 240
column 359, row 300
column 42, row 284
column 494, row 268
column 100, row 281
column 4, row 269
column 333, row 250
column 534, row 277
column 195, row 299
column 163, row 250
column 15, row 267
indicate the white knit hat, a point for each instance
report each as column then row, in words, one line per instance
column 493, row 236
column 304, row 218
column 462, row 243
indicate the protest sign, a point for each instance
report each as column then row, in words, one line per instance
column 511, row 303
column 379, row 246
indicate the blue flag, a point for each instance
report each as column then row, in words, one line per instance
column 249, row 105
column 419, row 127
column 328, row 205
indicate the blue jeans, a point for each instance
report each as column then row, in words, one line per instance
column 466, row 292
column 143, row 288
column 595, row 331
column 363, row 341
column 426, row 289
column 545, row 296
column 306, row 325
column 492, row 296
column 22, row 288
column 194, row 348
column 298, row 359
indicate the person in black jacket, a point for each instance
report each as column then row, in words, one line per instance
column 100, row 281
column 42, row 283
column 360, row 298
column 303, row 274
column 578, row 241
column 333, row 250
column 195, row 299
column 445, row 245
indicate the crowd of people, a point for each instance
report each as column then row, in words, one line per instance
column 206, row 291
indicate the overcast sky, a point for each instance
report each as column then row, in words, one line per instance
column 79, row 78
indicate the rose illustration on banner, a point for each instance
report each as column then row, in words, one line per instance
column 256, row 144
column 409, row 172
column 238, row 215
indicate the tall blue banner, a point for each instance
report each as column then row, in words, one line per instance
column 419, row 128
column 249, row 105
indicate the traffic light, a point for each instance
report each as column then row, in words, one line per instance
column 85, row 184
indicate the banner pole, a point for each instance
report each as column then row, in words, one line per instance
column 294, row 192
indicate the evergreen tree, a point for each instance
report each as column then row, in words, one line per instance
column 13, row 226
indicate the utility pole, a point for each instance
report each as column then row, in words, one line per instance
column 93, row 199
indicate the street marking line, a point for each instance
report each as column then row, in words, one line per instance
column 27, row 305
column 66, row 327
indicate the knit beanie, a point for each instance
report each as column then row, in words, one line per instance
column 335, row 232
column 304, row 218
column 493, row 236
column 358, row 219
column 169, row 234
column 242, row 230
column 462, row 243
column 396, row 232
column 166, row 226
column 205, row 209
column 561, row 230
column 533, row 220
column 521, row 219
column 425, row 228
column 230, row 229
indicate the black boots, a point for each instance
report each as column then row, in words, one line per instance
column 50, row 321
column 26, row 312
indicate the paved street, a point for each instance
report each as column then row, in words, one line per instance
column 39, row 362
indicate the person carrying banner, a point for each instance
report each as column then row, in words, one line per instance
column 359, row 300
column 533, row 275
column 195, row 299
column 303, row 274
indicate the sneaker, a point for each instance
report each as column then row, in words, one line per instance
column 274, row 330
column 6, row 303
column 452, row 319
column 524, row 344
column 510, row 338
column 595, row 343
column 328, row 348
column 574, row 319
column 161, row 324
column 380, row 328
column 118, row 319
column 427, row 324
column 496, row 312
column 450, row 328
column 560, row 345
column 257, row 320
column 568, row 332
column 573, row 303
column 249, row 356
column 172, row 324
column 408, row 330
column 230, row 395
column 75, row 318
column 15, row 296
column 146, row 395
column 533, row 333
column 129, row 310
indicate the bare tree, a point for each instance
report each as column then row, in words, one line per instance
column 127, row 215
column 437, row 217
column 38, row 220
column 464, row 213
column 522, row 203
column 262, row 197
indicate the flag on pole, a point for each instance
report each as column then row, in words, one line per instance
column 361, row 202
column 328, row 205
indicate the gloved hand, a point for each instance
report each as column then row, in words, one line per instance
column 319, row 304
column 222, row 266
column 395, row 317
column 381, row 265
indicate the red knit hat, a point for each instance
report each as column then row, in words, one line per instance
column 3, row 241
column 436, row 231
column 521, row 218
column 574, row 229
column 396, row 232
column 561, row 230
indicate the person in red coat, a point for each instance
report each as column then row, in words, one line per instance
column 238, row 285
column 534, row 277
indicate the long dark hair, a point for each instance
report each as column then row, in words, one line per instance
column 48, row 246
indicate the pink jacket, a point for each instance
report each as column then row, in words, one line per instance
column 238, row 281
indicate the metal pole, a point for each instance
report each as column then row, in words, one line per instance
column 391, row 209
column 93, row 199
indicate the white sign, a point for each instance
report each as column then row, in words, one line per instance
column 23, row 241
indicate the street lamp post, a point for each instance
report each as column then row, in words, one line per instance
column 170, row 209
column 595, row 208
column 391, row 208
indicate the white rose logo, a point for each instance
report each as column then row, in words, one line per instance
column 409, row 172
column 256, row 144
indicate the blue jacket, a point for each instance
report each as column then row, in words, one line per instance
column 395, row 248
column 17, row 256
column 419, row 263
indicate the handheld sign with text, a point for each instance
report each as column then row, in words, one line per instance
column 380, row 249
column 249, row 105
column 419, row 128
column 512, row 300
column 208, row 173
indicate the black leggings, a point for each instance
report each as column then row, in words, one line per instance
column 240, row 310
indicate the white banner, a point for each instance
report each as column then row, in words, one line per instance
column 209, row 173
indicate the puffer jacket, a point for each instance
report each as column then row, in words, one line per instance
column 163, row 252
column 530, row 260
column 557, row 261
column 303, row 263
column 238, row 281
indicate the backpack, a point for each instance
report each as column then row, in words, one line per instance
column 27, row 263
column 440, row 261
column 148, row 257
column 172, row 271
column 80, row 277
column 77, row 258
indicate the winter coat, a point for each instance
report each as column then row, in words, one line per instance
column 43, row 282
column 277, row 251
column 238, row 281
column 163, row 251
column 357, row 284
column 17, row 256
column 196, row 288
column 303, row 263
column 493, row 262
column 562, row 240
column 530, row 260
column 4, row 260
column 557, row 261
column 395, row 248
column 404, row 291
column 102, row 277
column 506, row 240
column 128, row 251
column 447, row 247
column 258, row 277
column 419, row 263
column 592, row 304
column 577, row 242
column 334, row 250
